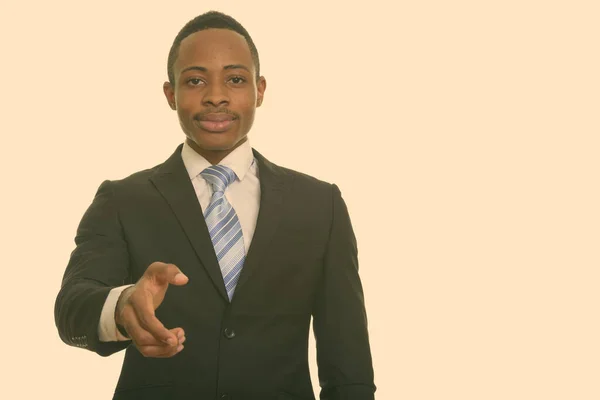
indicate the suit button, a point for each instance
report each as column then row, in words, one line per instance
column 229, row 334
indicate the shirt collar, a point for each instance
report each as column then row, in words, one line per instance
column 239, row 160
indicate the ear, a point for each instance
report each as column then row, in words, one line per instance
column 170, row 95
column 261, row 86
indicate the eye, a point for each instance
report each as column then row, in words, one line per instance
column 236, row 80
column 194, row 81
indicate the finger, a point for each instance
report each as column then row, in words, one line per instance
column 145, row 338
column 162, row 273
column 142, row 337
column 148, row 321
column 141, row 302
column 159, row 351
column 136, row 332
column 179, row 332
column 132, row 323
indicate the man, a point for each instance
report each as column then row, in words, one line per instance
column 249, row 251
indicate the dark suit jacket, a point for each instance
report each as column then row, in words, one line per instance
column 302, row 262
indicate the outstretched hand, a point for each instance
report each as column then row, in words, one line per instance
column 136, row 307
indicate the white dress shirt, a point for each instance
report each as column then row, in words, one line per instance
column 243, row 194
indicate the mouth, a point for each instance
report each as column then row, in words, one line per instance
column 215, row 126
column 216, row 123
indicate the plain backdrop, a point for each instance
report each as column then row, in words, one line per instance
column 464, row 136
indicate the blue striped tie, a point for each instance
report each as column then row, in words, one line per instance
column 224, row 226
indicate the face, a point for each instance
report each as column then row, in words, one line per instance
column 215, row 91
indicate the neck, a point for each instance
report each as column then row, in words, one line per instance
column 214, row 156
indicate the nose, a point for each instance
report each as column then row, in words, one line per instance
column 215, row 95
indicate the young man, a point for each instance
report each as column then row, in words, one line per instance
column 248, row 250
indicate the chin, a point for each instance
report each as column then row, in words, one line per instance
column 216, row 141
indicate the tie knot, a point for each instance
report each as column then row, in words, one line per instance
column 219, row 176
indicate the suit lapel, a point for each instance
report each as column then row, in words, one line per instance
column 274, row 184
column 172, row 181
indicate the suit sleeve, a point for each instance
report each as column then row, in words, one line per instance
column 339, row 318
column 99, row 262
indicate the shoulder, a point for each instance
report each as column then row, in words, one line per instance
column 307, row 192
column 132, row 180
column 132, row 186
column 136, row 180
column 301, row 178
column 298, row 179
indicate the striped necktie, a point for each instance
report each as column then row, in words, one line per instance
column 224, row 226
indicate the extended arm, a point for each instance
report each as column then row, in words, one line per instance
column 92, row 297
column 99, row 263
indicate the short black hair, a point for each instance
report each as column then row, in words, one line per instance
column 210, row 20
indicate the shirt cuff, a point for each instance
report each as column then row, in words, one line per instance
column 107, row 329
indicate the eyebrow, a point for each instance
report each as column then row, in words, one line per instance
column 203, row 69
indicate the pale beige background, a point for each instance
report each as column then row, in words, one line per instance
column 464, row 136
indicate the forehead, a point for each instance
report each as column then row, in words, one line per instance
column 213, row 47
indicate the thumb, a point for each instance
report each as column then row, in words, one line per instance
column 179, row 279
column 167, row 273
